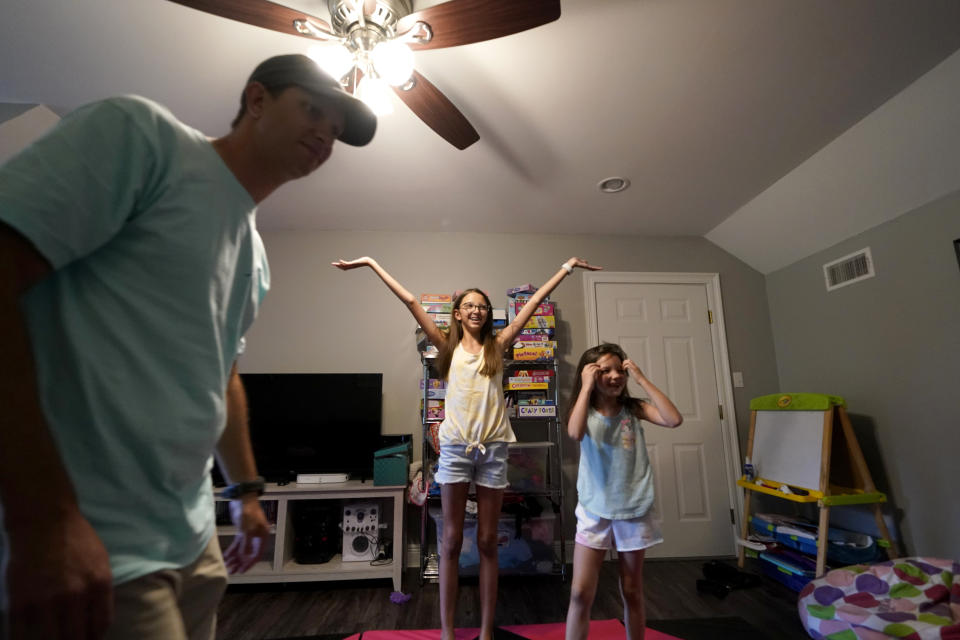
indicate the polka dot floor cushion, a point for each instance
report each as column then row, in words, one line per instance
column 910, row 598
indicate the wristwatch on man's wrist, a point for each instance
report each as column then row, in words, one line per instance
column 238, row 489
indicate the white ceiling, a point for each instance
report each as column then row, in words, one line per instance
column 703, row 104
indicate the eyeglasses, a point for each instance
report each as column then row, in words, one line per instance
column 469, row 306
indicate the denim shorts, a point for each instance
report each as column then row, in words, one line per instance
column 624, row 535
column 485, row 468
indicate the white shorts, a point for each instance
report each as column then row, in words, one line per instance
column 623, row 535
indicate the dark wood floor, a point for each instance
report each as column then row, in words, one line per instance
column 260, row 612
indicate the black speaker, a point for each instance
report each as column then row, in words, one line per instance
column 316, row 530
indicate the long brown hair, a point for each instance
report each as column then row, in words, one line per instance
column 592, row 355
column 492, row 355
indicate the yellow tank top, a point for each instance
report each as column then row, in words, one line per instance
column 474, row 412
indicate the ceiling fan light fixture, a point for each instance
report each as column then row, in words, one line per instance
column 335, row 59
column 375, row 93
column 393, row 62
column 614, row 184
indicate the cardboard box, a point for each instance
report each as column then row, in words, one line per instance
column 434, row 409
column 442, row 320
column 528, row 344
column 536, row 411
column 437, row 307
column 534, row 398
column 533, row 337
column 543, row 309
column 524, row 288
column 541, row 322
column 532, row 372
column 545, row 331
column 533, row 353
column 521, row 385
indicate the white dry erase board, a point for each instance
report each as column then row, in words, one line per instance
column 788, row 447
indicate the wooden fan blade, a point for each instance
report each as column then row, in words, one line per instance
column 436, row 110
column 259, row 13
column 464, row 21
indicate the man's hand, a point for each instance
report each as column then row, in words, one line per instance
column 59, row 580
column 253, row 529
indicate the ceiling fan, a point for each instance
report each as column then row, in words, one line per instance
column 372, row 34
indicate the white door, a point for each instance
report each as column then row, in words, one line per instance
column 665, row 329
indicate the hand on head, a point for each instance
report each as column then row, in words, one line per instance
column 589, row 375
column 631, row 367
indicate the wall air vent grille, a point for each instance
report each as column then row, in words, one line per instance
column 849, row 269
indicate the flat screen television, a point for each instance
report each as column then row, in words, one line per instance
column 313, row 423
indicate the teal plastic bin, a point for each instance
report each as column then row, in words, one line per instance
column 391, row 465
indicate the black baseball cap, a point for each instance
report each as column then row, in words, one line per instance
column 360, row 123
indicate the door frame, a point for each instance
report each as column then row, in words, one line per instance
column 721, row 360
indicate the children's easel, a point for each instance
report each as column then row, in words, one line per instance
column 794, row 446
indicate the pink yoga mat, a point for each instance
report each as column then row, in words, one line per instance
column 599, row 630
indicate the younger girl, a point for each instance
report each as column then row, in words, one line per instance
column 475, row 430
column 615, row 482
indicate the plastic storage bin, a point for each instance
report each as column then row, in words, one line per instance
column 529, row 551
column 527, row 465
column 789, row 568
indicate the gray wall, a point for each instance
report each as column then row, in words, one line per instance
column 320, row 319
column 891, row 346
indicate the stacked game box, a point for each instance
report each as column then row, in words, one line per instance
column 438, row 307
column 536, row 340
column 531, row 388
column 436, row 389
column 434, row 411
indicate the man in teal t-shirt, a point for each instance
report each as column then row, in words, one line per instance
column 130, row 269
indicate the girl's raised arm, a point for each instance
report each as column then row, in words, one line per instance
column 434, row 335
column 508, row 333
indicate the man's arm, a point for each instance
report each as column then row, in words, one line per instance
column 57, row 562
column 235, row 457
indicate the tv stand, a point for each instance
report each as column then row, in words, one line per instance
column 277, row 563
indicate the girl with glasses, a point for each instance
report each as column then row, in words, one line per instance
column 475, row 431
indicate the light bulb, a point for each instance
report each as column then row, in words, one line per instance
column 374, row 92
column 335, row 59
column 393, row 61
